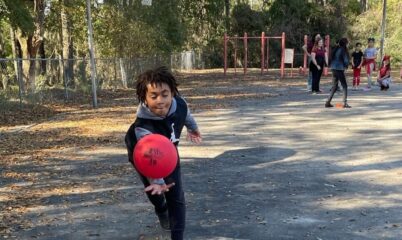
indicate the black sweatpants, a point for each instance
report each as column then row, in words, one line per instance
column 173, row 201
column 316, row 78
column 339, row 76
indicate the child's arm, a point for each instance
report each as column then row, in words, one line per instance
column 193, row 133
column 326, row 57
column 353, row 60
column 361, row 62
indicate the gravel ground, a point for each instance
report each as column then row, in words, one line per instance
column 277, row 167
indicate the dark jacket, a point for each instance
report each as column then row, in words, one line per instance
column 146, row 123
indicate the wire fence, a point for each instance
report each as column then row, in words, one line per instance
column 52, row 80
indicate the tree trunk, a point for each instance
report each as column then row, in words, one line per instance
column 67, row 43
column 43, row 61
column 3, row 64
column 17, row 54
column 123, row 73
column 31, row 43
column 1, row 44
column 32, row 51
column 363, row 5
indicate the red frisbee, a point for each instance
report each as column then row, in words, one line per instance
column 155, row 156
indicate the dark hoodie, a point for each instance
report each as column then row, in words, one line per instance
column 170, row 126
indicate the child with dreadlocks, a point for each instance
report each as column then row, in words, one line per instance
column 163, row 111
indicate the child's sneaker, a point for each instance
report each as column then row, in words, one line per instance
column 164, row 220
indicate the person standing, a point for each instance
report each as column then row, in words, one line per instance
column 357, row 62
column 319, row 57
column 340, row 62
column 162, row 110
column 307, row 50
column 384, row 75
column 370, row 55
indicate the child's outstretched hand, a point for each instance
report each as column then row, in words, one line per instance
column 194, row 136
column 158, row 189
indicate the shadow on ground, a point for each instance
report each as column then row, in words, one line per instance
column 281, row 168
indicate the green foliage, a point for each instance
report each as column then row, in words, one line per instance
column 244, row 19
column 3, row 9
column 77, row 14
column 369, row 25
column 128, row 29
column 5, row 50
column 18, row 14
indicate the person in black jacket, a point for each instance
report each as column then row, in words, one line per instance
column 340, row 62
column 163, row 111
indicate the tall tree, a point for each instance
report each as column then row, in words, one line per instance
column 363, row 5
column 31, row 39
column 67, row 40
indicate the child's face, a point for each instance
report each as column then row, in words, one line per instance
column 321, row 43
column 159, row 99
column 358, row 48
column 371, row 44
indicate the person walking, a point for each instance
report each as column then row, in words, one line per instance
column 340, row 62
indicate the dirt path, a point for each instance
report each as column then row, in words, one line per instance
column 281, row 167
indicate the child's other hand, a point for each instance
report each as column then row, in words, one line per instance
column 158, row 189
column 194, row 136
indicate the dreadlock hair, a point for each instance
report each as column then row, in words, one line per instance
column 156, row 76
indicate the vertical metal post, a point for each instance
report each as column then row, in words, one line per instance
column 225, row 53
column 305, row 55
column 262, row 52
column 245, row 52
column 91, row 55
column 383, row 23
column 283, row 55
column 267, row 53
column 235, row 54
column 18, row 64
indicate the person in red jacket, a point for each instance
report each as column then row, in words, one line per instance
column 384, row 75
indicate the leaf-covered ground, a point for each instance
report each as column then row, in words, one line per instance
column 39, row 144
